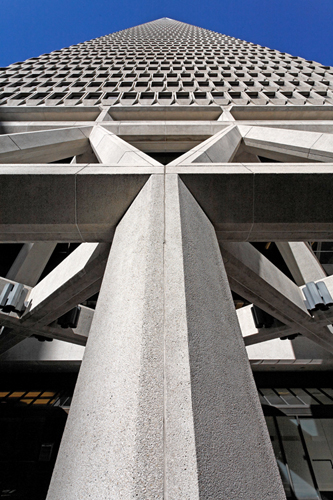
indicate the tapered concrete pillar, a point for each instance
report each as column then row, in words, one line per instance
column 165, row 405
column 112, row 446
column 217, row 444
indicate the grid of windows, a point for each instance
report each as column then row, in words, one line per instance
column 166, row 62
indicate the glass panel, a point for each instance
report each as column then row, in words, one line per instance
column 318, row 435
column 329, row 391
column 295, row 455
column 16, row 394
column 304, row 396
column 289, row 398
column 272, row 397
column 322, row 398
column 284, row 473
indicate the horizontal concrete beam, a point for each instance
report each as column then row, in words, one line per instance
column 21, row 331
column 48, row 113
column 253, row 202
column 151, row 131
column 9, row 338
column 71, row 203
column 13, row 336
column 43, row 146
column 245, row 202
column 286, row 113
column 264, row 335
column 314, row 146
column 131, row 113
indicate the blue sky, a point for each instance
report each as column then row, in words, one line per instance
column 33, row 27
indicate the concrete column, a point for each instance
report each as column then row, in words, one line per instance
column 165, row 406
column 217, row 444
column 112, row 446
column 301, row 261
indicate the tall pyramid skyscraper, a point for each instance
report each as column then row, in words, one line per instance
column 166, row 222
column 166, row 62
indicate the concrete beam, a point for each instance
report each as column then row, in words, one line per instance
column 74, row 280
column 10, row 338
column 17, row 329
column 159, row 113
column 33, row 352
column 301, row 261
column 30, row 262
column 313, row 146
column 43, row 146
column 252, row 202
column 264, row 343
column 255, row 278
column 109, row 148
column 14, row 334
column 221, row 148
column 71, row 203
column 48, row 113
column 84, row 203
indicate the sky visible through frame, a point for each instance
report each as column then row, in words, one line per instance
column 34, row 27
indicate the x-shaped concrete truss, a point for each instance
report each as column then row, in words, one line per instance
column 83, row 201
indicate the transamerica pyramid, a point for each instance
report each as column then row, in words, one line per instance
column 166, row 230
column 166, row 62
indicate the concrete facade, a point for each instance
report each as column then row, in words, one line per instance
column 192, row 172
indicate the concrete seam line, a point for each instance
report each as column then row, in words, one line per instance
column 165, row 493
column 75, row 202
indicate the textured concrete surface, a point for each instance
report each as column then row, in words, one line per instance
column 221, row 148
column 31, row 261
column 113, row 442
column 109, row 148
column 181, row 473
column 85, row 202
column 158, row 410
column 301, row 261
column 31, row 349
column 257, row 202
column 74, row 280
column 43, row 146
column 234, row 454
column 314, row 146
column 255, row 278
column 66, row 202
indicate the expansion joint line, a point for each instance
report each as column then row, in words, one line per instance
column 165, row 492
column 75, row 202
